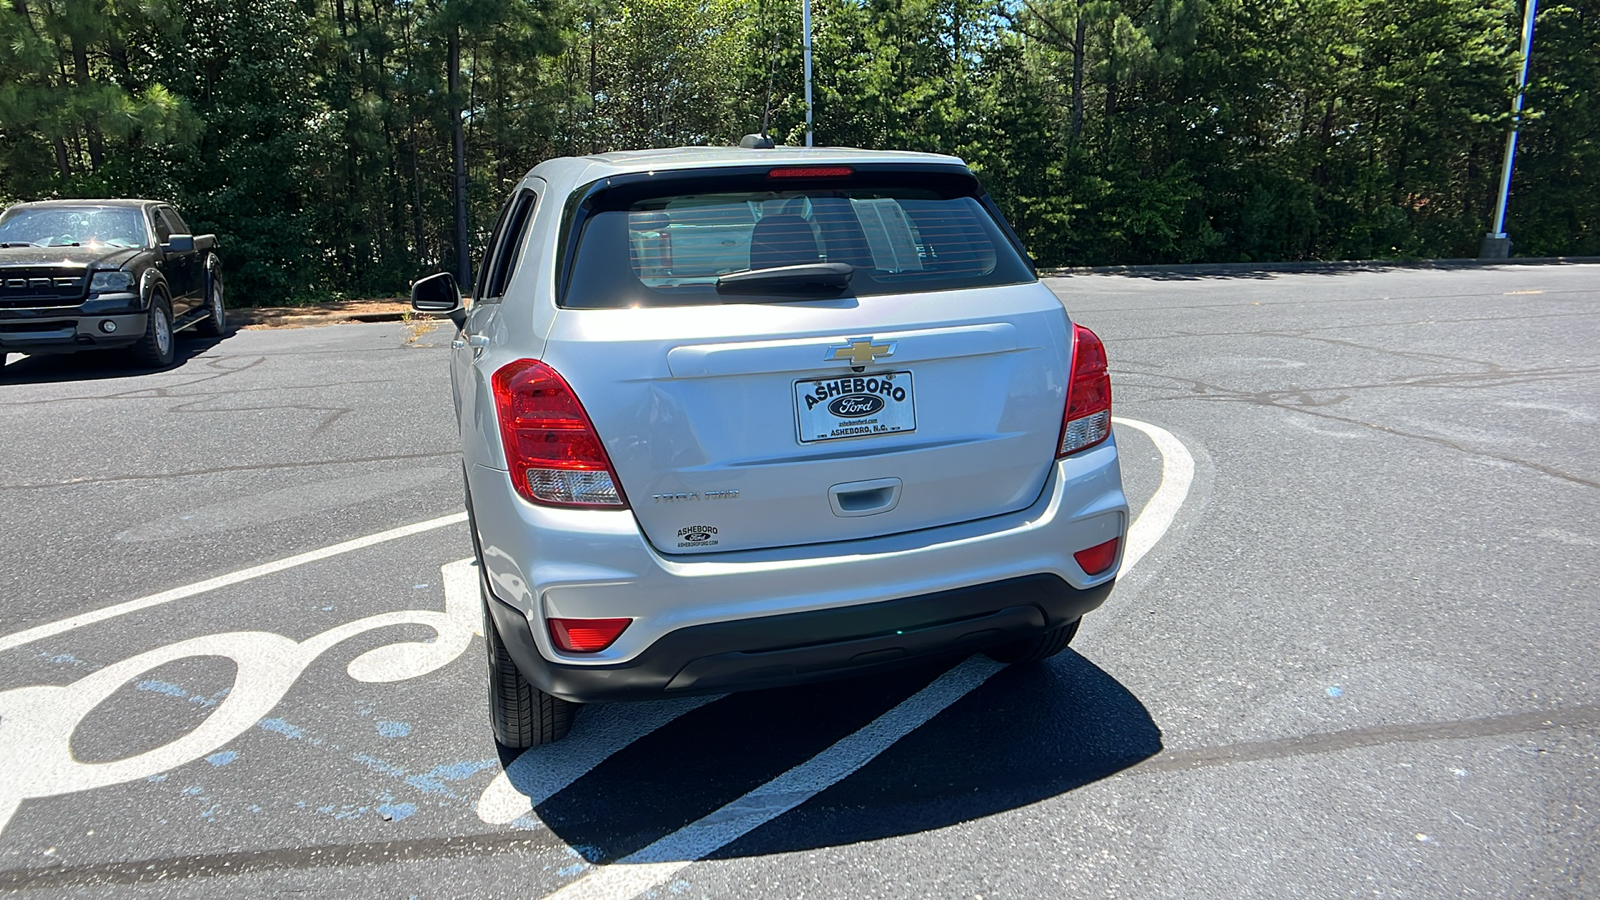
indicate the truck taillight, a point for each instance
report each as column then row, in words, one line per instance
column 554, row 454
column 1087, row 420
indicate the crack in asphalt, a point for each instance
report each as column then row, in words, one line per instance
column 1497, row 376
column 1311, row 301
column 482, row 844
column 1309, row 335
column 1375, row 736
column 248, row 861
column 168, row 393
column 258, row 467
column 1304, row 402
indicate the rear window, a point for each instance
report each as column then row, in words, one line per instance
column 666, row 244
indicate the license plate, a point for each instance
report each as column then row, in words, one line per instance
column 828, row 409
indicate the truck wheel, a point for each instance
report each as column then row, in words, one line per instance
column 1043, row 646
column 521, row 714
column 215, row 324
column 156, row 349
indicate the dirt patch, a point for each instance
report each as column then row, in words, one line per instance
column 335, row 313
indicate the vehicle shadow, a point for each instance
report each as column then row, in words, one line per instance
column 97, row 365
column 1027, row 734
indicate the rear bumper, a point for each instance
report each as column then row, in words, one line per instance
column 773, row 651
column 542, row 562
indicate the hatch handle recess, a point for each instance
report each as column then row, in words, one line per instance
column 864, row 498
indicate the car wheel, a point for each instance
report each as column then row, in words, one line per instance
column 1043, row 646
column 521, row 714
column 215, row 324
column 155, row 350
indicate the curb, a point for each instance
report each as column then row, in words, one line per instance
column 1342, row 265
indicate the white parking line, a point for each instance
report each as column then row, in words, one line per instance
column 29, row 635
column 541, row 772
column 656, row 864
column 1177, row 473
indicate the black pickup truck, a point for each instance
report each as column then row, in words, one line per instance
column 105, row 274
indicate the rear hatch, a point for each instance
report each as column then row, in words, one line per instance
column 799, row 409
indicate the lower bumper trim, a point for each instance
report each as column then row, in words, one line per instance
column 794, row 648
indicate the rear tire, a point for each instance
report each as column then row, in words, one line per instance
column 521, row 715
column 157, row 348
column 1043, row 646
column 215, row 324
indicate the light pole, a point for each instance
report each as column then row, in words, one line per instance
column 1496, row 244
column 805, row 15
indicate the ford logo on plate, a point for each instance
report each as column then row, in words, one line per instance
column 854, row 406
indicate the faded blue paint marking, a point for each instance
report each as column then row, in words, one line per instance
column 168, row 689
column 222, row 757
column 161, row 687
column 394, row 812
column 433, row 781
column 381, row 766
column 1335, row 691
column 65, row 659
column 281, row 727
column 394, row 729
column 191, row 791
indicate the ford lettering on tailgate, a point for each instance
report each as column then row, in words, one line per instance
column 827, row 409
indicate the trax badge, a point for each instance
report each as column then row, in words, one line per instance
column 860, row 351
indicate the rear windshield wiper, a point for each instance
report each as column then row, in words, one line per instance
column 821, row 276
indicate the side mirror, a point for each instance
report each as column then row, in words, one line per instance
column 439, row 294
column 180, row 243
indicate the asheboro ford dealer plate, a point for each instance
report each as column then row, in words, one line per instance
column 854, row 406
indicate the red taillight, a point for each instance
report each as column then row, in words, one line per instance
column 812, row 172
column 586, row 635
column 1088, row 417
column 552, row 450
column 1098, row 558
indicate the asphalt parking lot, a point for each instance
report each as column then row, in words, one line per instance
column 1356, row 655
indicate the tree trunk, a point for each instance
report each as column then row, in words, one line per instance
column 91, row 128
column 1079, row 46
column 459, row 141
column 63, row 163
column 594, row 89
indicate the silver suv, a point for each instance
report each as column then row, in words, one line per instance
column 740, row 418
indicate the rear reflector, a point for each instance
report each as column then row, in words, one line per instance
column 552, row 451
column 1087, row 420
column 812, row 172
column 1097, row 559
column 586, row 635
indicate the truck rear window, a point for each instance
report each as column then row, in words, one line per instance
column 667, row 244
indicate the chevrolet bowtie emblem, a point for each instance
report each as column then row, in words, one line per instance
column 860, row 351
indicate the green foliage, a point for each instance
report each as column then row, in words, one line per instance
column 315, row 136
column 1555, row 201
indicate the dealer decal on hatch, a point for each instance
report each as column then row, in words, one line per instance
column 697, row 536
